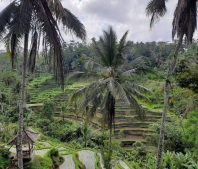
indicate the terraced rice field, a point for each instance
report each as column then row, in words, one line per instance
column 126, row 119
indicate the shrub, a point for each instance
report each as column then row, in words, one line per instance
column 48, row 109
column 139, row 149
column 40, row 163
column 172, row 138
column 53, row 152
column 4, row 158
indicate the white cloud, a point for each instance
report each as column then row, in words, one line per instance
column 122, row 15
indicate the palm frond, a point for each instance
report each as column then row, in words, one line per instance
column 100, row 53
column 92, row 98
column 188, row 108
column 139, row 96
column 134, row 104
column 69, row 21
column 82, row 92
column 51, row 33
column 129, row 73
column 97, row 102
column 33, row 52
column 79, row 75
column 140, row 61
column 109, row 45
column 185, row 93
column 185, row 19
column 93, row 66
column 117, row 90
column 147, row 71
column 140, row 88
column 108, row 109
column 12, row 42
column 156, row 9
column 6, row 16
column 123, row 45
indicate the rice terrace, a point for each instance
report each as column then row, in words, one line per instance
column 89, row 84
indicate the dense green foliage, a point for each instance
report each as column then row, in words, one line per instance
column 49, row 113
column 4, row 158
column 48, row 110
column 188, row 78
column 173, row 136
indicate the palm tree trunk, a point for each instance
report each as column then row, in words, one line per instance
column 111, row 118
column 9, row 95
column 21, row 107
column 110, row 135
column 166, row 96
column 1, row 101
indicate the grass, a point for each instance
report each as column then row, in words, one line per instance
column 97, row 163
column 77, row 162
column 77, row 85
column 132, row 139
column 40, row 163
column 119, row 166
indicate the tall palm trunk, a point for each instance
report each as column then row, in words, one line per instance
column 111, row 118
column 9, row 95
column 110, row 135
column 1, row 100
column 21, row 107
column 166, row 96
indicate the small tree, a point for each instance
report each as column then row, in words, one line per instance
column 9, row 78
column 63, row 111
column 48, row 110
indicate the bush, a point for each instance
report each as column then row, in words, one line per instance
column 53, row 152
column 48, row 110
column 172, row 138
column 115, row 144
column 138, row 152
column 40, row 163
column 4, row 158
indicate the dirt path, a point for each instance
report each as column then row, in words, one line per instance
column 37, row 152
column 41, row 152
column 124, row 165
column 101, row 161
column 69, row 162
column 87, row 158
column 46, row 144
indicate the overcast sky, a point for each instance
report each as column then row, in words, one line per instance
column 122, row 15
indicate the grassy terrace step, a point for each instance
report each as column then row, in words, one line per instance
column 34, row 105
column 132, row 125
column 149, row 149
column 130, row 141
column 117, row 112
column 135, row 129
column 94, row 123
column 134, row 132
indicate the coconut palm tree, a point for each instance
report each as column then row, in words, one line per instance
column 38, row 19
column 184, row 24
column 115, row 80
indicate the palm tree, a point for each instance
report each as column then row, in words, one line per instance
column 116, row 80
column 38, row 18
column 184, row 24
